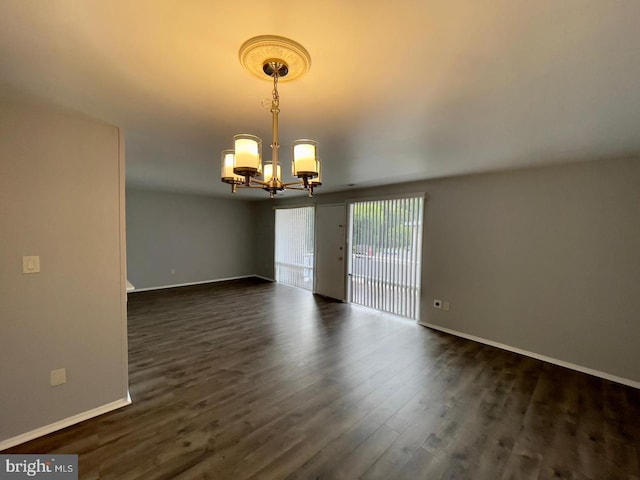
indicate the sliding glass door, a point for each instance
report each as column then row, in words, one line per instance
column 294, row 246
column 385, row 257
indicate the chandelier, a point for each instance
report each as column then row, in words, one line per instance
column 279, row 59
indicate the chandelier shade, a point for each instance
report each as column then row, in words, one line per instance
column 317, row 180
column 268, row 172
column 248, row 154
column 228, row 165
column 305, row 158
column 272, row 57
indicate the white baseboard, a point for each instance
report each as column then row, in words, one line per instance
column 264, row 278
column 537, row 356
column 162, row 287
column 67, row 422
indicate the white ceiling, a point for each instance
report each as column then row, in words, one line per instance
column 411, row 89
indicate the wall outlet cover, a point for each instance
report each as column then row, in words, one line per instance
column 58, row 377
column 31, row 264
column 437, row 303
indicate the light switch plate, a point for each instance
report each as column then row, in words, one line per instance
column 31, row 264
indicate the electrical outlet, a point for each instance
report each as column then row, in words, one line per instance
column 437, row 303
column 31, row 264
column 58, row 377
column 445, row 306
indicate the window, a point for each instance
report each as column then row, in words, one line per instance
column 386, row 251
column 295, row 246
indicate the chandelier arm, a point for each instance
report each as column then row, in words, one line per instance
column 292, row 184
column 251, row 186
column 255, row 181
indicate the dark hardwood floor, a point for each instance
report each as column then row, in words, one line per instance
column 248, row 379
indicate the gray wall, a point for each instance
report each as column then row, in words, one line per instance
column 198, row 238
column 545, row 260
column 61, row 186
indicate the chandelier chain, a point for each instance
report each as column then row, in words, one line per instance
column 275, row 103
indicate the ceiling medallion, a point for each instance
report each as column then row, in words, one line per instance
column 258, row 51
column 270, row 57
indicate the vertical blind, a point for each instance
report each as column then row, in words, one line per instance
column 295, row 246
column 386, row 251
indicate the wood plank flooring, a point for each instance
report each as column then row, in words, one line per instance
column 249, row 379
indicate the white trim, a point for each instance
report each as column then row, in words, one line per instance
column 162, row 287
column 124, row 283
column 67, row 422
column 537, row 356
column 264, row 278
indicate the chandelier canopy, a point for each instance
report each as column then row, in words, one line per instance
column 279, row 59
